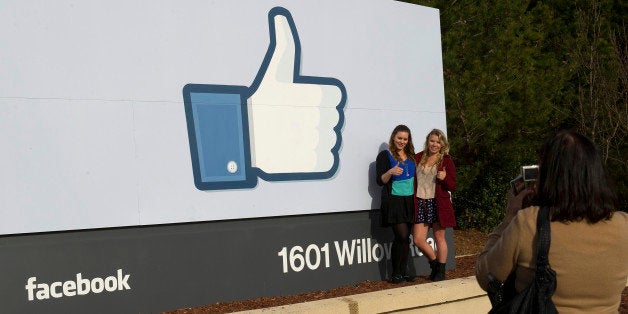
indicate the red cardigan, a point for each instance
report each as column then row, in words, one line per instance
column 445, row 209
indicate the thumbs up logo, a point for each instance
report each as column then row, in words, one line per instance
column 285, row 126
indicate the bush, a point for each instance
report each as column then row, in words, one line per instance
column 480, row 205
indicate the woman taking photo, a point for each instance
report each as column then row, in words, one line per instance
column 435, row 178
column 588, row 236
column 395, row 171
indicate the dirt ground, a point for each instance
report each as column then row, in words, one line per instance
column 468, row 245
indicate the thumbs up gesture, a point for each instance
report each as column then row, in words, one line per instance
column 396, row 170
column 292, row 118
column 283, row 127
column 441, row 174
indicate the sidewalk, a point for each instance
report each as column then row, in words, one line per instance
column 461, row 295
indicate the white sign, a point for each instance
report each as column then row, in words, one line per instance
column 93, row 124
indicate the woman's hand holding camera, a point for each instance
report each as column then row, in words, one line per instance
column 516, row 202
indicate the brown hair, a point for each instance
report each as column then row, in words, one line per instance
column 572, row 180
column 408, row 149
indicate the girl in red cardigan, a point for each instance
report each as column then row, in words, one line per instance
column 435, row 178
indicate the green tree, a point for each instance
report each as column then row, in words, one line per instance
column 514, row 70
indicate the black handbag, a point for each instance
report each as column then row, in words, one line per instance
column 537, row 297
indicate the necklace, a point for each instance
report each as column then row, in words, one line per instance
column 405, row 167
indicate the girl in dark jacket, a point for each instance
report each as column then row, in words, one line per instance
column 395, row 169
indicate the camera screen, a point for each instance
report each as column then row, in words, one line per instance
column 529, row 172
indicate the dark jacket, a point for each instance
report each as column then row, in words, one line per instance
column 382, row 164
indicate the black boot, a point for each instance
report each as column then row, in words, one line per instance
column 439, row 274
column 397, row 268
column 433, row 268
column 410, row 278
column 403, row 264
column 397, row 279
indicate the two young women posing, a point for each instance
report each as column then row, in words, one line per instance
column 415, row 195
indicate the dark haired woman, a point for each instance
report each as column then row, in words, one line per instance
column 395, row 171
column 589, row 237
column 435, row 178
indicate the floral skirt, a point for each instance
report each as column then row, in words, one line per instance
column 426, row 211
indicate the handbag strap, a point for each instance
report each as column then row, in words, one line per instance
column 544, row 240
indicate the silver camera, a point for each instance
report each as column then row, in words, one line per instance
column 528, row 174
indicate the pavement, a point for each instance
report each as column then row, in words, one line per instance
column 460, row 295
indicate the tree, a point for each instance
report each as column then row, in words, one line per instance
column 515, row 70
column 601, row 111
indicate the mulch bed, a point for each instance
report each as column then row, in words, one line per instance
column 464, row 268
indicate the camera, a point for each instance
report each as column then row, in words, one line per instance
column 528, row 174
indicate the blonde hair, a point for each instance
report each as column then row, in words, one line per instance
column 444, row 146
